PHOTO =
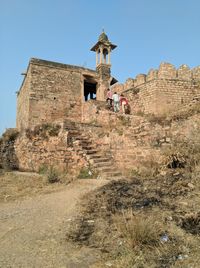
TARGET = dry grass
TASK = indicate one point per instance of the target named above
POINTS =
(139, 230)
(142, 246)
(15, 185)
(44, 131)
(184, 153)
(127, 220)
(175, 115)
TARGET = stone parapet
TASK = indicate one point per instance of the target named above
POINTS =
(152, 74)
(167, 70)
(140, 79)
(163, 90)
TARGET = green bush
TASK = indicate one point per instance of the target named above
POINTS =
(43, 169)
(87, 173)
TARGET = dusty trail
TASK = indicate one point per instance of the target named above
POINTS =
(32, 231)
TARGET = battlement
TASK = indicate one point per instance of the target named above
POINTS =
(165, 71)
(163, 89)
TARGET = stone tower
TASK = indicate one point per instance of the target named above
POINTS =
(103, 50)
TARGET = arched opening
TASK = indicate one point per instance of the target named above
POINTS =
(90, 88)
(105, 53)
(99, 56)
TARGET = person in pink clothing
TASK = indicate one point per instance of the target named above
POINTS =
(123, 103)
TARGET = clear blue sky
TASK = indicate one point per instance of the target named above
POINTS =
(147, 33)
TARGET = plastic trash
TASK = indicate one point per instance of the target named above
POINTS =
(109, 264)
(164, 238)
(182, 257)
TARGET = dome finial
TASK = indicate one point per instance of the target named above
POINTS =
(103, 37)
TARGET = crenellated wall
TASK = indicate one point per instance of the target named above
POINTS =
(162, 90)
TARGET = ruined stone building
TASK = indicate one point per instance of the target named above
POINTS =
(53, 92)
(62, 118)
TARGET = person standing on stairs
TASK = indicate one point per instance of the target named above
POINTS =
(123, 103)
(109, 98)
(115, 98)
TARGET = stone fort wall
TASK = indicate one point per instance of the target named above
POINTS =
(162, 90)
(51, 92)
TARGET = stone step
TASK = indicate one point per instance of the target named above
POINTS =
(89, 147)
(100, 158)
(86, 142)
(102, 164)
(70, 127)
(106, 169)
(91, 151)
(82, 139)
(74, 132)
(110, 175)
(117, 177)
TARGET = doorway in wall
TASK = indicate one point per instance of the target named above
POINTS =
(90, 90)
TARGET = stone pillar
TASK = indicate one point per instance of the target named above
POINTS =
(104, 56)
(101, 55)
(109, 55)
(104, 81)
(97, 52)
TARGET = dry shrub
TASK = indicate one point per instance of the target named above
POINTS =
(158, 119)
(53, 175)
(139, 230)
(185, 112)
(8, 158)
(196, 174)
(149, 169)
(142, 245)
(175, 115)
(184, 153)
(175, 160)
(10, 135)
(44, 131)
(191, 223)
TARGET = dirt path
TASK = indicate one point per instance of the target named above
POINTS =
(32, 231)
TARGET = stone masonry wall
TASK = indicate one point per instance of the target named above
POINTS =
(136, 141)
(34, 150)
(132, 141)
(23, 105)
(55, 94)
(51, 92)
(162, 90)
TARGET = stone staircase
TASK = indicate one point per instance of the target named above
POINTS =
(101, 161)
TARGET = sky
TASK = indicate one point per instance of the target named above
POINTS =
(146, 32)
